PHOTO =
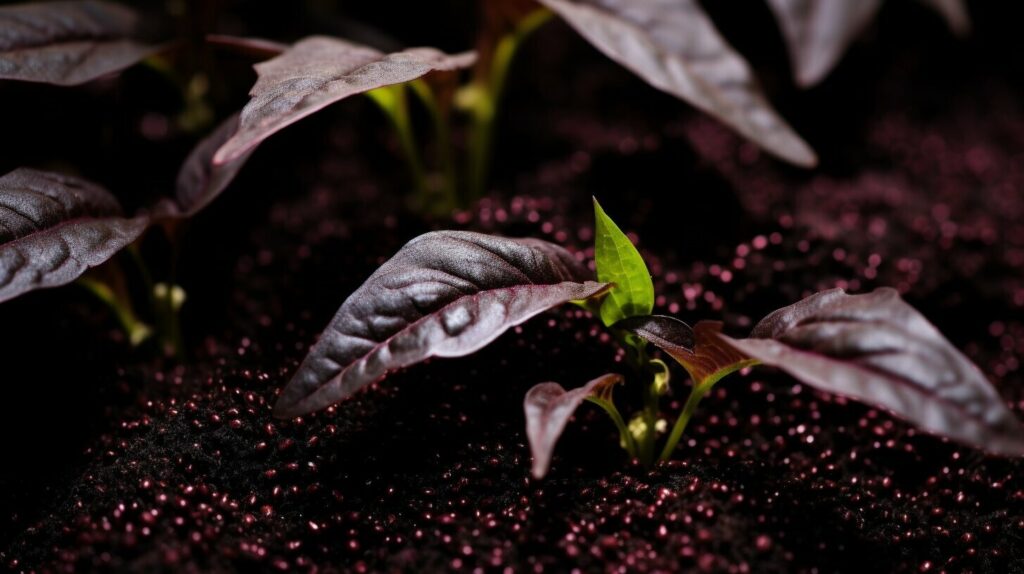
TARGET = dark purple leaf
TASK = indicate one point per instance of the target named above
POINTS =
(667, 333)
(67, 43)
(954, 12)
(548, 408)
(702, 351)
(445, 294)
(818, 32)
(200, 181)
(255, 47)
(54, 227)
(319, 71)
(674, 46)
(877, 349)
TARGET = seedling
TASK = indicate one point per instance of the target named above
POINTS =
(54, 228)
(450, 293)
(672, 45)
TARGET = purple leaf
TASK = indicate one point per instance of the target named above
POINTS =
(818, 32)
(701, 350)
(445, 294)
(877, 349)
(256, 47)
(667, 333)
(67, 43)
(549, 407)
(954, 12)
(54, 227)
(317, 72)
(674, 46)
(200, 181)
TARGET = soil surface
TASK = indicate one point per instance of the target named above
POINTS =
(114, 460)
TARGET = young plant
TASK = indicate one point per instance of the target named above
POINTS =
(449, 293)
(56, 227)
(671, 44)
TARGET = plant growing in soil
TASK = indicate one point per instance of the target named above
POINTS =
(670, 44)
(55, 227)
(449, 293)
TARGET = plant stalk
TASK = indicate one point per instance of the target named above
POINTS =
(443, 133)
(136, 330)
(169, 297)
(487, 95)
(696, 394)
(624, 435)
(393, 102)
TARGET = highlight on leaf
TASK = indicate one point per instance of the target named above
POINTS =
(53, 228)
(548, 408)
(445, 294)
(200, 180)
(317, 72)
(818, 32)
(620, 264)
(877, 349)
(68, 43)
(712, 358)
(666, 333)
(674, 46)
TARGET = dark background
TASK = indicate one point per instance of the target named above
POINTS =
(66, 379)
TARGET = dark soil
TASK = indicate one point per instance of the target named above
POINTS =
(117, 461)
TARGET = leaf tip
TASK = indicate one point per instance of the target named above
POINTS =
(284, 409)
(806, 158)
(225, 153)
(291, 404)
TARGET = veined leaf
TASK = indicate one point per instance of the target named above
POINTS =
(54, 227)
(877, 349)
(619, 263)
(674, 46)
(701, 351)
(548, 408)
(818, 32)
(317, 72)
(445, 294)
(67, 43)
(666, 333)
(200, 180)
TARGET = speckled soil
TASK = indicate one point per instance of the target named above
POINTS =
(115, 461)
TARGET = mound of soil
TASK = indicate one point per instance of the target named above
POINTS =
(117, 461)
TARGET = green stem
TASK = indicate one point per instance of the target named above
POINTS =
(624, 434)
(638, 358)
(443, 132)
(393, 102)
(650, 415)
(168, 298)
(487, 98)
(143, 269)
(134, 328)
(696, 394)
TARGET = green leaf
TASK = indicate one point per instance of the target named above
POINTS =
(620, 263)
